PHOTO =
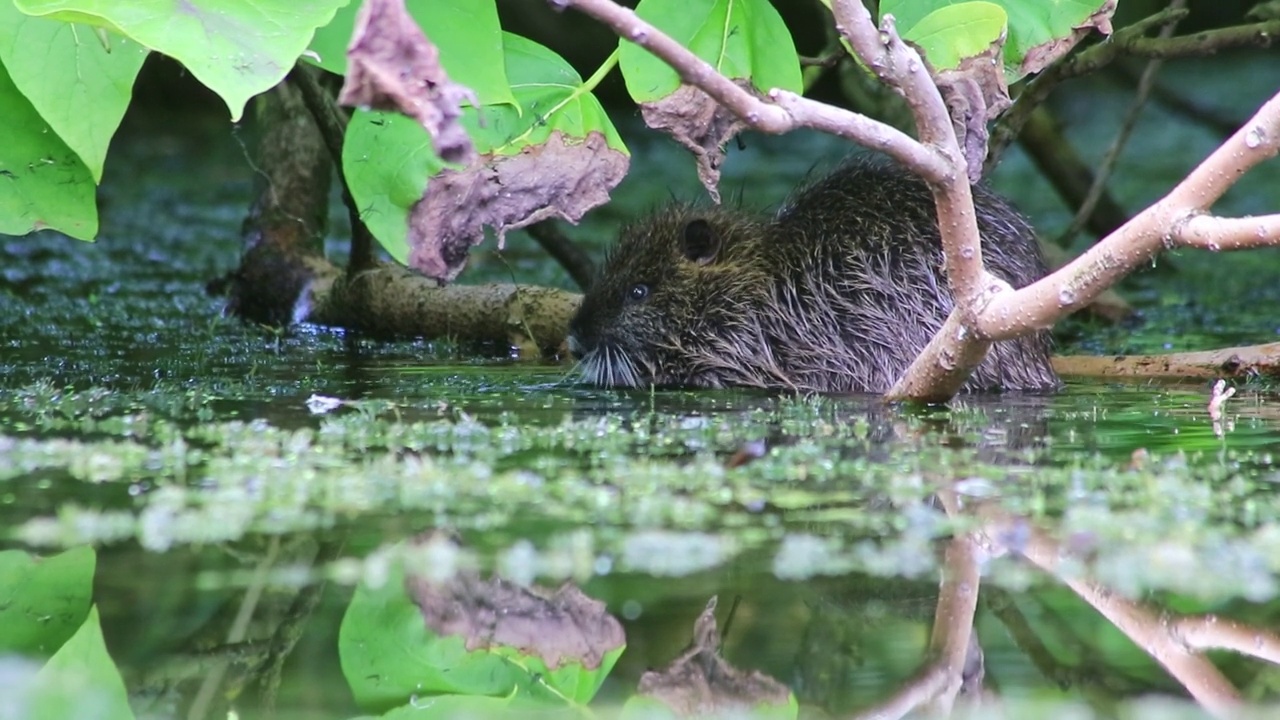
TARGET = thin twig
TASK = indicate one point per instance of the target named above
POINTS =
(1216, 121)
(332, 122)
(572, 258)
(826, 60)
(1056, 159)
(239, 629)
(786, 112)
(1107, 165)
(1130, 41)
(289, 632)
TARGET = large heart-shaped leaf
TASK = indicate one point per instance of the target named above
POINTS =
(79, 82)
(238, 48)
(43, 183)
(742, 39)
(470, 637)
(955, 32)
(43, 601)
(1038, 29)
(79, 681)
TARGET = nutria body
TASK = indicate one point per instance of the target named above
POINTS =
(837, 292)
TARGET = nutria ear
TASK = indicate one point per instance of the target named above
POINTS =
(700, 242)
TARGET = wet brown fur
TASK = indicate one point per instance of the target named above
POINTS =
(837, 292)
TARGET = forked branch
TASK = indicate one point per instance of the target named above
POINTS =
(1180, 219)
(986, 308)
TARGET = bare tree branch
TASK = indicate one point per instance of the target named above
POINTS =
(938, 683)
(572, 258)
(1218, 233)
(787, 112)
(900, 67)
(986, 308)
(1178, 219)
(1210, 632)
(953, 620)
(1173, 642)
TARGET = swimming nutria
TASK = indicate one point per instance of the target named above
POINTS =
(837, 292)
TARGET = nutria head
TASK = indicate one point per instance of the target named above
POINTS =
(675, 289)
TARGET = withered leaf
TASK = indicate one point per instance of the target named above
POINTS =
(976, 93)
(699, 123)
(557, 626)
(1037, 58)
(564, 177)
(391, 65)
(700, 682)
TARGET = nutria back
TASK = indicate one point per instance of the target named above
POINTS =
(837, 292)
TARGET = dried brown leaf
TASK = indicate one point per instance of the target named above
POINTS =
(975, 93)
(1039, 57)
(564, 177)
(557, 626)
(391, 65)
(699, 123)
(701, 683)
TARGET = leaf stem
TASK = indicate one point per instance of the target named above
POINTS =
(605, 67)
(583, 89)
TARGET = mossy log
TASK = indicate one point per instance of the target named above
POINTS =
(284, 277)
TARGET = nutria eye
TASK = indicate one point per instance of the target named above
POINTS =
(638, 292)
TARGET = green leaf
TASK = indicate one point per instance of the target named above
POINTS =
(43, 183)
(78, 84)
(390, 656)
(549, 97)
(740, 38)
(572, 681)
(460, 706)
(951, 34)
(388, 158)
(238, 48)
(43, 601)
(466, 32)
(79, 681)
(1032, 23)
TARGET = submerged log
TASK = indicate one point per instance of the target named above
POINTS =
(1245, 361)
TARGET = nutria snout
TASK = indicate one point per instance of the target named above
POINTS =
(837, 292)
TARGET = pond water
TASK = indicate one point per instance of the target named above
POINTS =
(240, 550)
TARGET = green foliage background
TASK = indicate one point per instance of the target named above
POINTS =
(67, 69)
